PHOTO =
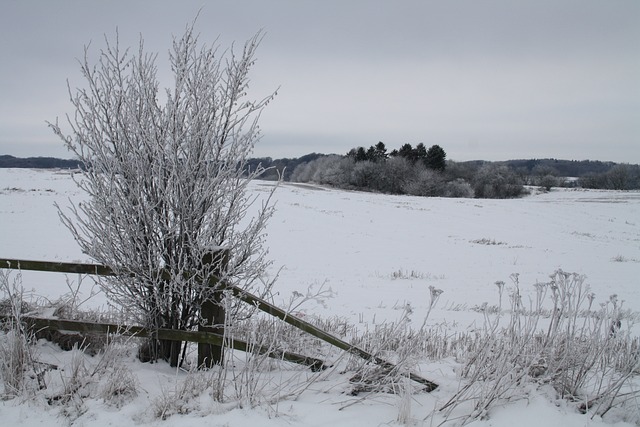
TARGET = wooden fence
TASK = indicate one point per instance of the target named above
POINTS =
(38, 324)
(200, 337)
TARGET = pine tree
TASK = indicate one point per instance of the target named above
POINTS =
(436, 158)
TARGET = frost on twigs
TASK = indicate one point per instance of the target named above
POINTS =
(167, 183)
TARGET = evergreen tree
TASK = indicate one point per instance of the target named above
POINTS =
(381, 151)
(420, 152)
(407, 152)
(361, 155)
(371, 154)
(436, 158)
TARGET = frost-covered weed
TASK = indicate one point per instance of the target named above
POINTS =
(561, 339)
(120, 386)
(254, 377)
(183, 398)
(75, 377)
(584, 351)
(17, 358)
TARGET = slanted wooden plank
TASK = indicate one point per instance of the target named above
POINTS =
(319, 333)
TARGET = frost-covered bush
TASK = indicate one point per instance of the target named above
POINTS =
(167, 183)
(427, 183)
(399, 171)
(366, 175)
(332, 170)
(458, 188)
(497, 182)
(548, 181)
(401, 174)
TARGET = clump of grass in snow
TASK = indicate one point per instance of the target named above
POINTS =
(404, 274)
(17, 360)
(120, 386)
(75, 379)
(183, 398)
(622, 258)
(488, 242)
(413, 275)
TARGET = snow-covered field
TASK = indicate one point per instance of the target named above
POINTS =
(378, 255)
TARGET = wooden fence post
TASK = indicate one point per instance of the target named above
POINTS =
(212, 311)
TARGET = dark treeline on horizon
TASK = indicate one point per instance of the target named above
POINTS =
(563, 168)
(7, 161)
(410, 170)
(542, 172)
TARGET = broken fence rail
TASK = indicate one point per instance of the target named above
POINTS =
(39, 323)
(261, 304)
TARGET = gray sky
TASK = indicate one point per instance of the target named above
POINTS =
(484, 79)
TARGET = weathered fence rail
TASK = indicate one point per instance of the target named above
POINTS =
(39, 323)
(261, 304)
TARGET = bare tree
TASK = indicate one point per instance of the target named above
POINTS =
(168, 183)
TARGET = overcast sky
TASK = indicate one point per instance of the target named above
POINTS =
(491, 80)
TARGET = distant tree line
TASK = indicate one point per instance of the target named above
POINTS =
(587, 174)
(7, 161)
(618, 177)
(281, 167)
(565, 168)
(419, 171)
(426, 172)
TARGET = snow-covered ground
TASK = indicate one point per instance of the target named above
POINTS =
(378, 254)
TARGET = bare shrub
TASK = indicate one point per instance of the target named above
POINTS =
(168, 183)
(428, 182)
(547, 182)
(365, 175)
(495, 181)
(459, 188)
